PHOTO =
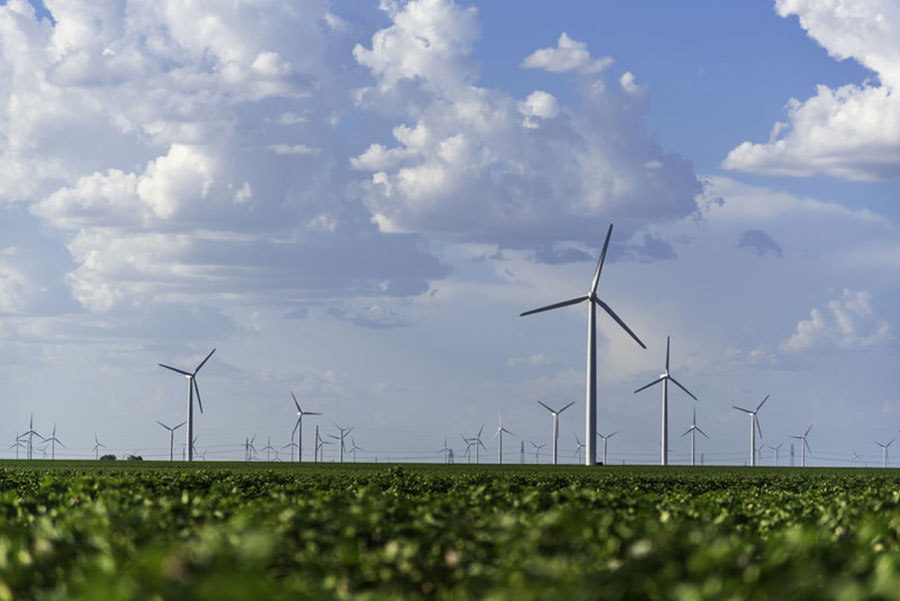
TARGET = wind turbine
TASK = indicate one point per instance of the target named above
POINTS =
(31, 434)
(804, 446)
(555, 413)
(269, 448)
(291, 445)
(537, 449)
(446, 450)
(18, 445)
(499, 433)
(249, 449)
(664, 378)
(192, 387)
(606, 438)
(354, 448)
(578, 448)
(469, 442)
(478, 443)
(754, 426)
(53, 440)
(884, 451)
(693, 432)
(591, 381)
(344, 432)
(171, 437)
(298, 429)
(97, 447)
(775, 453)
(853, 459)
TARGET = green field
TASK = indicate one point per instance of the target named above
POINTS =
(86, 530)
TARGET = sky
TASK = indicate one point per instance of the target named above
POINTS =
(354, 201)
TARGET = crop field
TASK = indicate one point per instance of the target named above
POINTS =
(76, 530)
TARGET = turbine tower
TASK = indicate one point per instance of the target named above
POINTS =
(555, 413)
(884, 451)
(171, 437)
(192, 387)
(693, 432)
(804, 446)
(591, 381)
(499, 434)
(754, 426)
(605, 439)
(775, 453)
(664, 378)
(298, 428)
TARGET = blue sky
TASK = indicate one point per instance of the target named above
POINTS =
(355, 202)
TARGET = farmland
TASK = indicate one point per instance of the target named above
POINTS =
(76, 530)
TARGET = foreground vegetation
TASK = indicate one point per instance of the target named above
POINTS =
(153, 531)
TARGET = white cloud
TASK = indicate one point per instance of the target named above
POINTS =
(296, 149)
(466, 166)
(851, 132)
(568, 55)
(846, 323)
(535, 360)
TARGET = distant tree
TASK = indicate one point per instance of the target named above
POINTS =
(134, 458)
(109, 457)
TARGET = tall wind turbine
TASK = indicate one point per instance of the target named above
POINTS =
(298, 428)
(664, 378)
(884, 451)
(605, 439)
(478, 444)
(591, 382)
(555, 413)
(249, 449)
(775, 453)
(579, 446)
(97, 447)
(469, 443)
(354, 448)
(18, 444)
(693, 432)
(53, 440)
(192, 387)
(344, 432)
(804, 446)
(447, 451)
(31, 434)
(754, 426)
(269, 448)
(171, 437)
(499, 433)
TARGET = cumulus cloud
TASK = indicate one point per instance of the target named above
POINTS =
(477, 165)
(851, 132)
(846, 323)
(759, 242)
(535, 360)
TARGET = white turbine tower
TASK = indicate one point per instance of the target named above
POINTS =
(591, 382)
(804, 446)
(499, 434)
(171, 437)
(693, 432)
(754, 426)
(192, 387)
(298, 428)
(664, 378)
(884, 451)
(555, 413)
(605, 439)
(775, 453)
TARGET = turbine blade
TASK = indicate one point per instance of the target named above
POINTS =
(890, 443)
(573, 301)
(667, 353)
(807, 445)
(742, 409)
(758, 407)
(480, 430)
(620, 322)
(645, 387)
(758, 427)
(687, 432)
(546, 407)
(294, 431)
(601, 261)
(311, 413)
(162, 424)
(197, 390)
(202, 363)
(181, 371)
(299, 410)
(677, 383)
(613, 434)
(704, 433)
(566, 407)
(179, 425)
(807, 431)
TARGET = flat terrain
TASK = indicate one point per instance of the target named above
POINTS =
(145, 530)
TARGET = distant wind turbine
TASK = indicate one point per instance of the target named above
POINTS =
(249, 449)
(664, 378)
(31, 434)
(478, 444)
(192, 387)
(754, 427)
(578, 448)
(591, 380)
(354, 448)
(884, 451)
(18, 444)
(97, 447)
(605, 439)
(171, 437)
(804, 446)
(344, 432)
(298, 428)
(53, 440)
(446, 451)
(693, 432)
(537, 449)
(555, 413)
(775, 453)
(269, 448)
(499, 434)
